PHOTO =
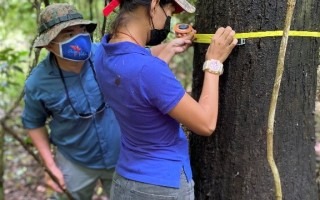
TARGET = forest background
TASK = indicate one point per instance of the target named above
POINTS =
(22, 175)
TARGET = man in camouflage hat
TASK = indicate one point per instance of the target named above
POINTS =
(63, 90)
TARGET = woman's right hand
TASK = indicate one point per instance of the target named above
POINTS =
(221, 44)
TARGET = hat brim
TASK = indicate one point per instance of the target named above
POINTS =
(46, 37)
(184, 5)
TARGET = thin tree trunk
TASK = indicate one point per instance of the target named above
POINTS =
(104, 23)
(274, 99)
(232, 164)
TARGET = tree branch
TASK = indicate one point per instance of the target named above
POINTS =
(104, 23)
(20, 140)
(274, 99)
(30, 151)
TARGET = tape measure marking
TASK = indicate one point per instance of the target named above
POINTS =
(206, 38)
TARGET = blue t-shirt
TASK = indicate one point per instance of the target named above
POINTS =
(154, 148)
(92, 142)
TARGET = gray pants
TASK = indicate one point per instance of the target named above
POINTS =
(81, 181)
(125, 189)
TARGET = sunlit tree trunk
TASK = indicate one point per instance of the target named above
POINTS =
(232, 164)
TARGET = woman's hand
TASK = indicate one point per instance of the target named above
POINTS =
(181, 44)
(221, 44)
(176, 46)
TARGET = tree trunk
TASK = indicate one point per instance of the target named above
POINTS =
(232, 164)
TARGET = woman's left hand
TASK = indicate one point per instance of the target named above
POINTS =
(176, 46)
(182, 42)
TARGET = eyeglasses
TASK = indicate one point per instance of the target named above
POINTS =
(83, 115)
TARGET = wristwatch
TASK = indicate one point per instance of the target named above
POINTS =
(213, 66)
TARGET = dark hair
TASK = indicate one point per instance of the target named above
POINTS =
(164, 2)
(129, 6)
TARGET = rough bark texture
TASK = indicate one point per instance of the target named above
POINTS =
(232, 164)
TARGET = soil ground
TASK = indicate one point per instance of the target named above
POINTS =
(24, 177)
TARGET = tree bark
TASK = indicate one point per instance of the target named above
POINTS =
(232, 164)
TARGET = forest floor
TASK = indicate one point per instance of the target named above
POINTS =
(24, 178)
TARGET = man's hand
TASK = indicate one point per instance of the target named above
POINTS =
(59, 176)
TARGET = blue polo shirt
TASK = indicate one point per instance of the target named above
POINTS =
(154, 148)
(92, 142)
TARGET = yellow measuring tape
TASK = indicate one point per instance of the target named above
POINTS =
(206, 38)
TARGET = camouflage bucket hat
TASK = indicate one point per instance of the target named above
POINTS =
(184, 5)
(57, 17)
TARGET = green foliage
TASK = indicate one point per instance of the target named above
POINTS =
(92, 11)
(17, 18)
(12, 64)
(17, 30)
(1, 164)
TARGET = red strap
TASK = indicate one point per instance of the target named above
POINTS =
(110, 7)
(178, 8)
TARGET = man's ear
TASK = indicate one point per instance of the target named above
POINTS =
(49, 47)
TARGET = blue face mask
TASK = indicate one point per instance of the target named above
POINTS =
(77, 48)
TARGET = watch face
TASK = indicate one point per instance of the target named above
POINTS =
(213, 66)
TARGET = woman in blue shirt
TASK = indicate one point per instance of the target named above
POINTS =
(150, 103)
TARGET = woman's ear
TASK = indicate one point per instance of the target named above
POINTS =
(153, 7)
